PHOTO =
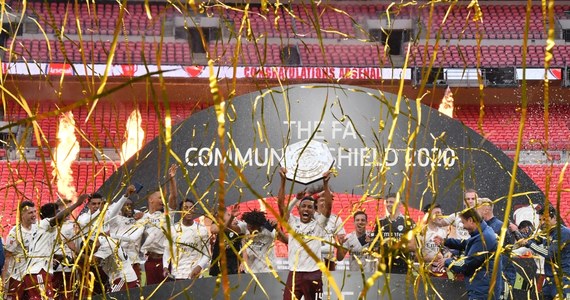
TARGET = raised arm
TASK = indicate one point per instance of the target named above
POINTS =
(116, 207)
(340, 248)
(172, 197)
(232, 223)
(281, 195)
(457, 244)
(280, 235)
(300, 195)
(327, 194)
(58, 219)
(131, 235)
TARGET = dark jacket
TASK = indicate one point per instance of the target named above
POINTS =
(477, 264)
(550, 249)
(233, 246)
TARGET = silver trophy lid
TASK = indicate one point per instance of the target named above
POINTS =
(306, 161)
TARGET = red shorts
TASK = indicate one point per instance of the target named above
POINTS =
(154, 270)
(331, 264)
(38, 286)
(15, 290)
(61, 283)
(137, 269)
(119, 285)
(308, 284)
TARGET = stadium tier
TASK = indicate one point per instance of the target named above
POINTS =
(97, 52)
(106, 127)
(347, 35)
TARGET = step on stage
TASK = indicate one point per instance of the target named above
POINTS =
(351, 284)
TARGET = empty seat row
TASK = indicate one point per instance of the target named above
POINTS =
(455, 56)
(496, 22)
(270, 54)
(98, 52)
(540, 173)
(98, 18)
(329, 21)
(371, 54)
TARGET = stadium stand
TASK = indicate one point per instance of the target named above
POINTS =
(547, 177)
(499, 123)
(140, 41)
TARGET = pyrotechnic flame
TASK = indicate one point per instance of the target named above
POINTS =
(134, 136)
(446, 106)
(66, 152)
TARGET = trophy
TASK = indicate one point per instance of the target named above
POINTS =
(306, 161)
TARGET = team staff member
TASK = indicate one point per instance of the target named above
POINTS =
(477, 264)
(392, 229)
(310, 230)
(234, 232)
(555, 248)
(155, 225)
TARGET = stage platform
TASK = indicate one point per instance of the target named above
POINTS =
(351, 285)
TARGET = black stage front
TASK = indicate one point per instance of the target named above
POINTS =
(351, 284)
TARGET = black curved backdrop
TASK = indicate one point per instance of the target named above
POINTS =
(445, 157)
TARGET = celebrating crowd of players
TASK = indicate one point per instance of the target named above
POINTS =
(105, 248)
